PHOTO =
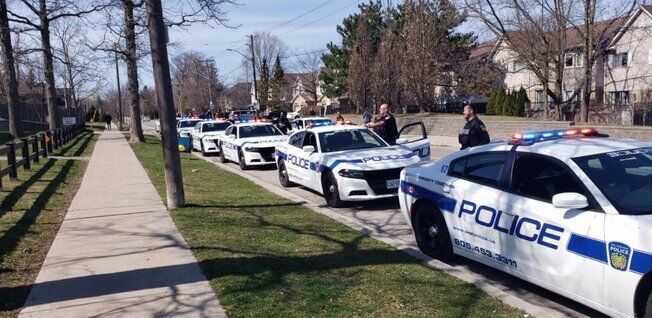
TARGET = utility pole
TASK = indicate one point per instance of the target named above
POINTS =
(253, 63)
(117, 75)
(172, 163)
(210, 90)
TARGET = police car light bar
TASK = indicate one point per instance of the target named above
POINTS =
(530, 137)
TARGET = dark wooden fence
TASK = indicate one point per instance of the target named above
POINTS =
(33, 148)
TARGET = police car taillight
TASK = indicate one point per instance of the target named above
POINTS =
(535, 136)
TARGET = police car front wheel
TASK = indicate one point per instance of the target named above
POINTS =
(648, 306)
(283, 177)
(431, 232)
(222, 157)
(331, 191)
(243, 163)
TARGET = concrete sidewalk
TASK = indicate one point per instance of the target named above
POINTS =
(118, 253)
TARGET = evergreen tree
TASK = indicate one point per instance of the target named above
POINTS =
(336, 60)
(491, 102)
(277, 83)
(521, 100)
(263, 85)
(500, 100)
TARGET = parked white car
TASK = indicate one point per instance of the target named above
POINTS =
(347, 163)
(568, 210)
(305, 122)
(205, 135)
(250, 144)
(158, 124)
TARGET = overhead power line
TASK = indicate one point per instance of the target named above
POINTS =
(302, 15)
(319, 19)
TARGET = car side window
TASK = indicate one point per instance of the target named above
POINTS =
(487, 168)
(541, 178)
(310, 140)
(294, 125)
(198, 127)
(228, 131)
(296, 140)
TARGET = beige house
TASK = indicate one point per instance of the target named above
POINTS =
(622, 78)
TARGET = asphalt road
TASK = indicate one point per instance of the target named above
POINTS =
(383, 218)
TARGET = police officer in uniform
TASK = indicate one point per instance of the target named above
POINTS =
(474, 133)
(385, 125)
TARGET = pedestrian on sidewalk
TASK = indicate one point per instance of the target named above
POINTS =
(385, 125)
(366, 117)
(475, 132)
(339, 118)
(107, 119)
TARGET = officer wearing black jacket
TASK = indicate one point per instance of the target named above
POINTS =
(385, 125)
(474, 133)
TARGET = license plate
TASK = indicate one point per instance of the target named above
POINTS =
(392, 184)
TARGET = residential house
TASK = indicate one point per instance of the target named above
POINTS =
(621, 77)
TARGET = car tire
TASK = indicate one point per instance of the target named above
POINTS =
(431, 232)
(648, 306)
(283, 176)
(242, 162)
(222, 157)
(331, 192)
(201, 147)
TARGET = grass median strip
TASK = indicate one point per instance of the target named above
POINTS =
(31, 211)
(265, 255)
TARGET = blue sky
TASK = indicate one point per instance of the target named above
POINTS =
(264, 15)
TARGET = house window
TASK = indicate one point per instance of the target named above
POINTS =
(620, 59)
(649, 57)
(569, 94)
(518, 66)
(569, 60)
(538, 96)
(620, 97)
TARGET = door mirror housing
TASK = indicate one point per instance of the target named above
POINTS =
(401, 141)
(570, 200)
(308, 149)
(231, 136)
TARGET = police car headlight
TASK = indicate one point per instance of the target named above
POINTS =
(349, 173)
(251, 149)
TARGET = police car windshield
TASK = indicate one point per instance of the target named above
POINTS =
(215, 126)
(188, 123)
(259, 131)
(341, 140)
(624, 177)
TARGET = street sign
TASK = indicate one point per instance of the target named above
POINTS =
(47, 138)
(69, 121)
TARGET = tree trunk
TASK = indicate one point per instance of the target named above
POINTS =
(48, 67)
(9, 80)
(589, 14)
(68, 78)
(136, 128)
(163, 84)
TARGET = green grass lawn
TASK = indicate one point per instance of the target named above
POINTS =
(267, 256)
(31, 211)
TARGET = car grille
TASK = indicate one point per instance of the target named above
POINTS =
(267, 153)
(377, 179)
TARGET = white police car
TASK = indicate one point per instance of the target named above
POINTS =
(250, 144)
(347, 163)
(185, 126)
(204, 135)
(303, 123)
(568, 210)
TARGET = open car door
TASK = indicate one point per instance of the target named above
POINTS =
(413, 137)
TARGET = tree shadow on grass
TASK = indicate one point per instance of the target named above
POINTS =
(10, 200)
(15, 297)
(85, 140)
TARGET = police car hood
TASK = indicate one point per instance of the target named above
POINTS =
(372, 159)
(264, 140)
(211, 134)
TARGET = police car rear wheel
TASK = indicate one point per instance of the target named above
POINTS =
(331, 192)
(283, 177)
(222, 158)
(241, 159)
(431, 232)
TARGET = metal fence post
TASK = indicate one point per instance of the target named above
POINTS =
(27, 165)
(44, 144)
(50, 140)
(11, 160)
(35, 149)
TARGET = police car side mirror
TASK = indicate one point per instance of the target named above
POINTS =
(309, 149)
(184, 135)
(401, 141)
(569, 200)
(230, 136)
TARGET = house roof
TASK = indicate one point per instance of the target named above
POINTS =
(646, 9)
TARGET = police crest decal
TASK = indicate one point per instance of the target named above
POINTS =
(619, 255)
